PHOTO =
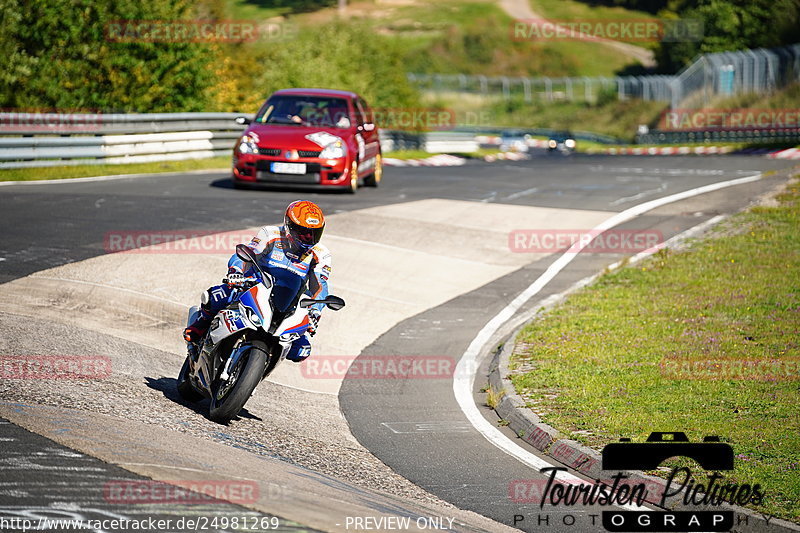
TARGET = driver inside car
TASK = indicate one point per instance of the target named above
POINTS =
(294, 257)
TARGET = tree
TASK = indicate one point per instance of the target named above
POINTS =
(60, 56)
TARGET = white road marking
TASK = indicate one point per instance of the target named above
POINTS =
(520, 194)
(648, 192)
(464, 378)
(443, 426)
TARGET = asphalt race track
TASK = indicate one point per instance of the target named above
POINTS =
(413, 426)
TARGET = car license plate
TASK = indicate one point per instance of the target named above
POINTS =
(288, 168)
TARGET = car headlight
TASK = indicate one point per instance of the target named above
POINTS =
(250, 315)
(335, 150)
(247, 145)
(569, 143)
(552, 143)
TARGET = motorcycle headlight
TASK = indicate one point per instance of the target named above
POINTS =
(247, 145)
(335, 150)
(250, 315)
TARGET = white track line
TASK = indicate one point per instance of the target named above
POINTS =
(464, 377)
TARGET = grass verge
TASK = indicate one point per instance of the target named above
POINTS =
(661, 347)
(86, 171)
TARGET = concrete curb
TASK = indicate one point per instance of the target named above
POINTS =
(548, 440)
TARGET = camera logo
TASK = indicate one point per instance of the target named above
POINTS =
(711, 454)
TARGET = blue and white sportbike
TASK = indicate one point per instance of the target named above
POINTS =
(245, 343)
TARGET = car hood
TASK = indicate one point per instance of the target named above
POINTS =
(272, 136)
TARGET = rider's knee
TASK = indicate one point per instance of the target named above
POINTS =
(299, 350)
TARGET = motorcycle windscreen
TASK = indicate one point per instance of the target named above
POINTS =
(284, 293)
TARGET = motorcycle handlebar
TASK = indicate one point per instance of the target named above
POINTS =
(250, 280)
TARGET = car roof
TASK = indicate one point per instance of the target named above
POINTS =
(318, 92)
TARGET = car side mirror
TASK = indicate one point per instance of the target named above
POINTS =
(243, 121)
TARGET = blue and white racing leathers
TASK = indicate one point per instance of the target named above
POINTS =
(290, 270)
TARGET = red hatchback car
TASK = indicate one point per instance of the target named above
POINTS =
(309, 137)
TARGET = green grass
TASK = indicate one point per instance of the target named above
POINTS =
(616, 118)
(84, 171)
(453, 36)
(573, 10)
(594, 366)
(249, 10)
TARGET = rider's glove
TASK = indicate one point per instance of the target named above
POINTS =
(235, 279)
(313, 318)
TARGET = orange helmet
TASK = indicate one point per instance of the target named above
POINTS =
(304, 223)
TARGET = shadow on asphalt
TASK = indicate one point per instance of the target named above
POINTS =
(169, 387)
(227, 183)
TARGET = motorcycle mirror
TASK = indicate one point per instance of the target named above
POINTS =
(334, 303)
(244, 253)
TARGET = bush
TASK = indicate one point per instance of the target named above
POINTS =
(58, 57)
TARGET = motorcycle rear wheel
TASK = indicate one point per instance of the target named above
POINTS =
(228, 398)
(185, 388)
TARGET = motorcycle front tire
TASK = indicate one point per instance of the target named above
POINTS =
(252, 366)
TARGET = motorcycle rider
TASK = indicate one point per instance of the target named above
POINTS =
(294, 257)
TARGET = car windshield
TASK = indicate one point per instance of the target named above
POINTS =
(299, 110)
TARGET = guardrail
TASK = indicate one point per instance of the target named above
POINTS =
(750, 136)
(54, 139)
(57, 139)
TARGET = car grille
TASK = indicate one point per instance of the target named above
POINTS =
(278, 151)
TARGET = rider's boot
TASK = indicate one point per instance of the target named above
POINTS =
(198, 328)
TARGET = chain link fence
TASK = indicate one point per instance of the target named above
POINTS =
(587, 89)
(730, 73)
(710, 75)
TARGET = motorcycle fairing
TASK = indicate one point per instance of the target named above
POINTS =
(296, 323)
(226, 323)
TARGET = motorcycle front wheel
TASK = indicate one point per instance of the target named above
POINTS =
(229, 396)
